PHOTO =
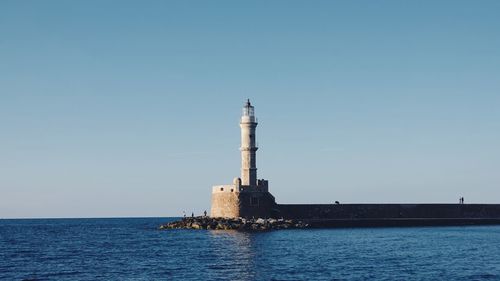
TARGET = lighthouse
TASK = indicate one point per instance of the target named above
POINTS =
(248, 148)
(247, 196)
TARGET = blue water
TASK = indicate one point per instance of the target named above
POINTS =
(133, 249)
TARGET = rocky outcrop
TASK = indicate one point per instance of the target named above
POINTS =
(234, 224)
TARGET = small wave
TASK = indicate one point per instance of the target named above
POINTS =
(485, 276)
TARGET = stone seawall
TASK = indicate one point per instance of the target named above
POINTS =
(387, 211)
(289, 216)
(394, 222)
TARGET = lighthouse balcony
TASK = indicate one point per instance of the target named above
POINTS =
(254, 148)
(249, 120)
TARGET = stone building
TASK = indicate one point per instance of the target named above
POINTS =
(247, 196)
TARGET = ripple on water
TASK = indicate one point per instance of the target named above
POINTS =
(132, 249)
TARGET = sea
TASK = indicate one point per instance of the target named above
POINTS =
(135, 249)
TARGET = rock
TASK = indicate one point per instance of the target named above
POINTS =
(241, 224)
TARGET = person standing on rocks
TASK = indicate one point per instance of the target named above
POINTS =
(205, 213)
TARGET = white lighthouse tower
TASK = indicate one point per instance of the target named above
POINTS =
(247, 196)
(248, 148)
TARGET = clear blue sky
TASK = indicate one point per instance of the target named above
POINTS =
(130, 108)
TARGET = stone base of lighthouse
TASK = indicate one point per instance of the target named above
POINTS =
(235, 200)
